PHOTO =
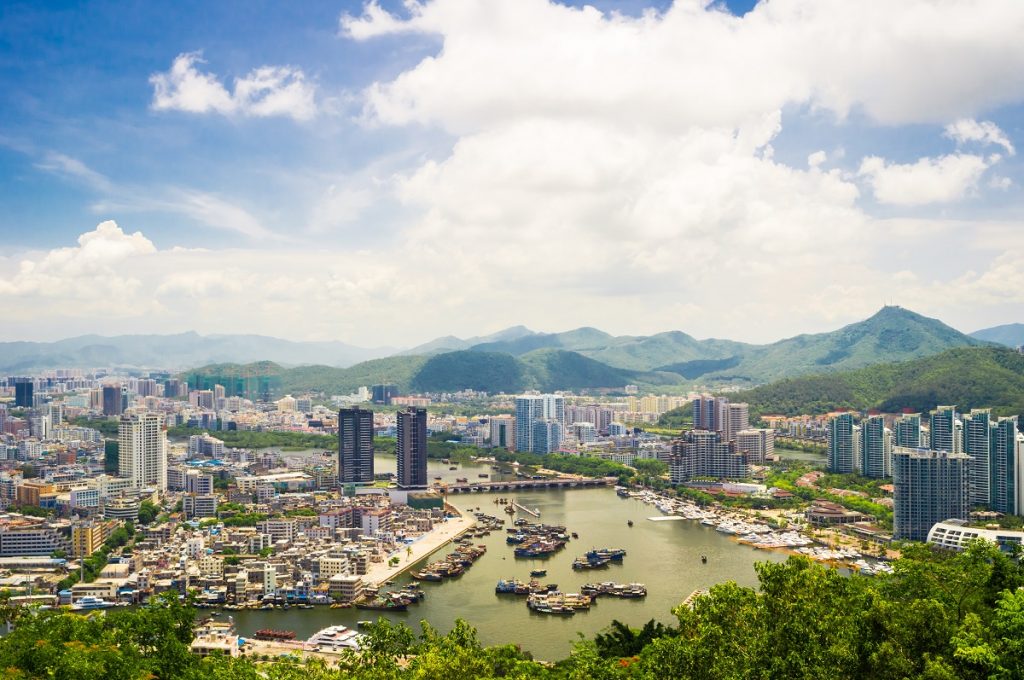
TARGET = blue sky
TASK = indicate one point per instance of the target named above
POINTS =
(460, 167)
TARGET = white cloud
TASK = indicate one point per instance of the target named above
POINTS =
(929, 180)
(74, 168)
(265, 91)
(696, 64)
(969, 130)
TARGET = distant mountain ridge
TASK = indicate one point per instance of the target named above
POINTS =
(1011, 334)
(892, 334)
(176, 351)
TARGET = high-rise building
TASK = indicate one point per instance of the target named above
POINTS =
(23, 392)
(528, 409)
(547, 436)
(411, 448)
(930, 486)
(700, 453)
(554, 408)
(1007, 467)
(503, 433)
(142, 450)
(717, 414)
(943, 430)
(113, 405)
(355, 446)
(758, 444)
(382, 394)
(977, 439)
(907, 431)
(841, 444)
(875, 448)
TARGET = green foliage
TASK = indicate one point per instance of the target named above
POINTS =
(31, 510)
(246, 439)
(111, 456)
(677, 418)
(575, 465)
(939, 615)
(482, 371)
(106, 426)
(970, 377)
(148, 510)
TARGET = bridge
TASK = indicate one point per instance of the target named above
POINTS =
(547, 483)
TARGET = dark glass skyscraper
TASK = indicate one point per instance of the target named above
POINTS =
(23, 389)
(355, 446)
(113, 404)
(411, 448)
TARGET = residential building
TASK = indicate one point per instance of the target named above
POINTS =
(700, 453)
(977, 443)
(503, 432)
(907, 431)
(23, 392)
(547, 436)
(411, 448)
(929, 486)
(355, 446)
(142, 451)
(944, 426)
(875, 448)
(1006, 465)
(528, 409)
(841, 444)
(757, 443)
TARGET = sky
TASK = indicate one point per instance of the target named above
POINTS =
(384, 173)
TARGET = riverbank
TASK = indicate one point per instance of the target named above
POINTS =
(423, 546)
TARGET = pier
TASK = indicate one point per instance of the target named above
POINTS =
(525, 509)
(553, 483)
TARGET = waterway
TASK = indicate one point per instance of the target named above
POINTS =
(666, 556)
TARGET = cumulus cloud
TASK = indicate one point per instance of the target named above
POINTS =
(986, 132)
(929, 180)
(697, 64)
(265, 91)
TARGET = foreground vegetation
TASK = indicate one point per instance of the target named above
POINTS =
(938, 616)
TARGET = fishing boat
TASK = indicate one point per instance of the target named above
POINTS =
(269, 634)
(629, 522)
(539, 572)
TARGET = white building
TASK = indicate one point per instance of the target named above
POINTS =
(142, 454)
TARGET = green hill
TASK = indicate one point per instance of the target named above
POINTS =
(1011, 334)
(553, 369)
(483, 371)
(969, 377)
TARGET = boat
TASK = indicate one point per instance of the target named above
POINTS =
(629, 522)
(585, 563)
(461, 480)
(613, 554)
(382, 605)
(270, 634)
(575, 535)
(453, 467)
(539, 572)
(438, 478)
(364, 624)
(483, 474)
(338, 637)
(88, 602)
(704, 559)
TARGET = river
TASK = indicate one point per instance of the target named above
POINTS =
(666, 556)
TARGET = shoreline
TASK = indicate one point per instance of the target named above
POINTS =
(428, 543)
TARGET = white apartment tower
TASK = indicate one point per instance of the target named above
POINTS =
(142, 454)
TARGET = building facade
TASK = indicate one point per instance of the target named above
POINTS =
(411, 448)
(355, 446)
(929, 486)
(142, 450)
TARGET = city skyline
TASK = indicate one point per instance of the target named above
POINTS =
(176, 170)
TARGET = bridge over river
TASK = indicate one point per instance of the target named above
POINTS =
(546, 483)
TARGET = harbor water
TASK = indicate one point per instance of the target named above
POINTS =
(664, 555)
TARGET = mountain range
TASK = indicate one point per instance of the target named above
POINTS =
(173, 352)
(587, 358)
(519, 358)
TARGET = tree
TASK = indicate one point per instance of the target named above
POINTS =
(148, 511)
